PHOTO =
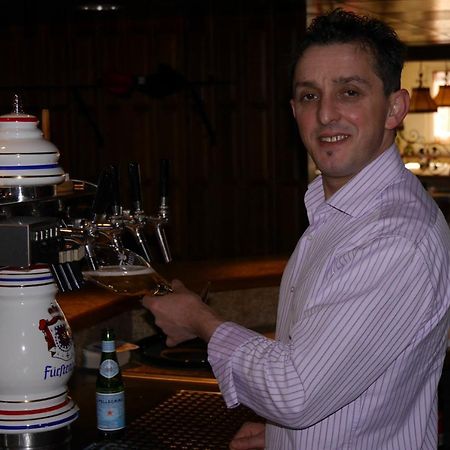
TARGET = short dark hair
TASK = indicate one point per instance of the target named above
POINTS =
(375, 36)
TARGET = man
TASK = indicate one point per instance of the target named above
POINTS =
(364, 300)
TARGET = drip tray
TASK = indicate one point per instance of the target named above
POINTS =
(188, 355)
(194, 420)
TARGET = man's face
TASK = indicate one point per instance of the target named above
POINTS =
(341, 111)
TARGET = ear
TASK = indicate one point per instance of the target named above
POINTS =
(292, 107)
(398, 108)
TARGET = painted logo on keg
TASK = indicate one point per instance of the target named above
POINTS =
(57, 334)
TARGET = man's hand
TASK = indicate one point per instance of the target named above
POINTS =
(251, 436)
(182, 315)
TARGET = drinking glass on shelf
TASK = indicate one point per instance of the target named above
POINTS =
(126, 273)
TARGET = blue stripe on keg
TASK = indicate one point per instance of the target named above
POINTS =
(28, 279)
(34, 167)
(29, 153)
(40, 425)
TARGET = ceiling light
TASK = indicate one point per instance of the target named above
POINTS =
(443, 96)
(99, 7)
(421, 100)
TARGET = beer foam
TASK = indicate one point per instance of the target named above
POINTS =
(119, 271)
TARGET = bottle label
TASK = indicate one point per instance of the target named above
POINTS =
(110, 411)
(109, 368)
(108, 346)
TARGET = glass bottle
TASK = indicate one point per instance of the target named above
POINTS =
(110, 394)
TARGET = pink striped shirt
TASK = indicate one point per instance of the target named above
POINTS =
(362, 322)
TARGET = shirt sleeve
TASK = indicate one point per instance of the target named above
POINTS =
(375, 303)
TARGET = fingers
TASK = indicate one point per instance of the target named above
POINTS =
(182, 315)
(148, 302)
(251, 436)
(177, 285)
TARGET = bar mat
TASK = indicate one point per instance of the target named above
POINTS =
(189, 420)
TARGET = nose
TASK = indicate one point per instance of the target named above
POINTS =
(328, 110)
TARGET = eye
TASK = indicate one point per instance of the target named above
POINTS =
(306, 97)
(351, 93)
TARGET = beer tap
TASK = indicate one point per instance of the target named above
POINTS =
(105, 220)
(109, 221)
(138, 219)
(116, 220)
(163, 213)
(90, 230)
(137, 216)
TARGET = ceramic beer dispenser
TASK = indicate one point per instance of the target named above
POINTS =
(41, 249)
(36, 347)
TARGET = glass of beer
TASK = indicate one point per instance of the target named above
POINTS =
(126, 273)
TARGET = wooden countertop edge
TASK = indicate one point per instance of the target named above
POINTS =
(91, 304)
(227, 275)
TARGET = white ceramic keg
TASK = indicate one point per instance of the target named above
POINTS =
(37, 354)
(26, 158)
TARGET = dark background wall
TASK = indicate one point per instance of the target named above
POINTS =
(216, 104)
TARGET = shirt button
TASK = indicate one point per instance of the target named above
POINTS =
(292, 289)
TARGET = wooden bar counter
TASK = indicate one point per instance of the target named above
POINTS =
(153, 392)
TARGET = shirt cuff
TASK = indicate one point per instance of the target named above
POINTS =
(226, 339)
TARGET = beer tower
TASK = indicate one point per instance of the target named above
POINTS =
(41, 250)
(36, 344)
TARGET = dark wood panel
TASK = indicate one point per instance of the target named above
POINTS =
(236, 191)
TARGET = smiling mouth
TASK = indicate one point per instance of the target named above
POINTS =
(336, 138)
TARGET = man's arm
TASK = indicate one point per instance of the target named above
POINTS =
(349, 334)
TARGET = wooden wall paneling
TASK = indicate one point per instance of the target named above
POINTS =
(57, 96)
(19, 69)
(166, 139)
(145, 135)
(138, 124)
(289, 211)
(255, 221)
(290, 166)
(228, 95)
(227, 162)
(257, 120)
(226, 224)
(114, 55)
(257, 150)
(10, 38)
(238, 197)
(210, 154)
(84, 156)
(226, 68)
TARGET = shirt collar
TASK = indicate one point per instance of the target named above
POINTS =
(356, 196)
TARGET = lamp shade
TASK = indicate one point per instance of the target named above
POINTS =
(443, 96)
(421, 101)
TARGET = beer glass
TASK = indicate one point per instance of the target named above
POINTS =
(125, 272)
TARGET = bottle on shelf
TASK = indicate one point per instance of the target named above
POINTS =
(110, 393)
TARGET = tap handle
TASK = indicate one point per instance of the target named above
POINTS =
(134, 175)
(115, 179)
(164, 187)
(164, 178)
(102, 199)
